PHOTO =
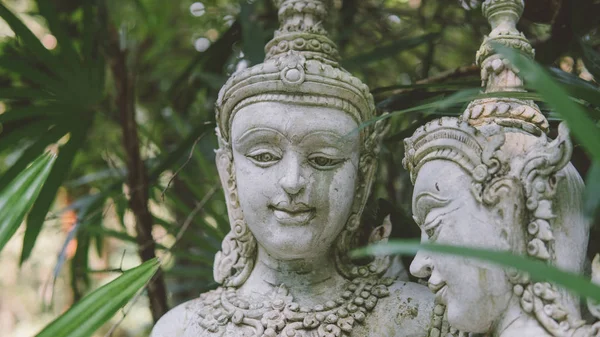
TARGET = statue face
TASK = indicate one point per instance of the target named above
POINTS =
(476, 294)
(296, 171)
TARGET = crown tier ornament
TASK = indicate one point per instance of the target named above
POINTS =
(498, 75)
(301, 66)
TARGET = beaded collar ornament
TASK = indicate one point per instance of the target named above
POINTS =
(280, 316)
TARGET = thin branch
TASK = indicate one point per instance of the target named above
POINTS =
(193, 213)
(137, 176)
(188, 221)
(162, 195)
(463, 71)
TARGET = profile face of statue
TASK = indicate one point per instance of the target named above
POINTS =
(296, 170)
(475, 293)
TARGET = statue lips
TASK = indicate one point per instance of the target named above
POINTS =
(293, 214)
(439, 289)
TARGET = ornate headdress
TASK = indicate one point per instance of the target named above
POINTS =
(301, 67)
(502, 140)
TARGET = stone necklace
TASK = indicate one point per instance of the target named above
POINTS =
(280, 316)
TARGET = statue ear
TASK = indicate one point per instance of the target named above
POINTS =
(382, 232)
(543, 161)
(224, 161)
(224, 166)
(504, 197)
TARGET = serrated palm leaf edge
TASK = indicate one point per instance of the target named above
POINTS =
(96, 308)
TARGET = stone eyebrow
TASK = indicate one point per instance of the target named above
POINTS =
(262, 131)
(330, 137)
(427, 200)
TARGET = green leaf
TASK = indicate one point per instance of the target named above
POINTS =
(592, 190)
(537, 269)
(199, 220)
(80, 280)
(95, 309)
(120, 208)
(591, 59)
(462, 96)
(47, 138)
(30, 41)
(18, 196)
(180, 151)
(37, 216)
(582, 127)
(11, 139)
(32, 111)
(577, 87)
(20, 66)
(252, 35)
(389, 50)
(64, 42)
(19, 93)
(451, 85)
(96, 177)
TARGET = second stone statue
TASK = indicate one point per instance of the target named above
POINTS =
(296, 175)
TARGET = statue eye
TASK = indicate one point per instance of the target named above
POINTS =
(430, 232)
(431, 228)
(324, 162)
(263, 158)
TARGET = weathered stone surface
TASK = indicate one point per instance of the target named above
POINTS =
(297, 174)
(493, 179)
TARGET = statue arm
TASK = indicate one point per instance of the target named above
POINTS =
(176, 322)
(406, 312)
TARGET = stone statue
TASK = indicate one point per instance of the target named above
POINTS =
(297, 171)
(493, 179)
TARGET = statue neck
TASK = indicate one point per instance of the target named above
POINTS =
(516, 323)
(310, 281)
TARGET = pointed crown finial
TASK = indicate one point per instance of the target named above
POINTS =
(497, 75)
(301, 29)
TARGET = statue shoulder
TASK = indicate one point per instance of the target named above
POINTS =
(188, 318)
(406, 312)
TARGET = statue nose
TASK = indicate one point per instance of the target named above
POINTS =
(292, 180)
(421, 266)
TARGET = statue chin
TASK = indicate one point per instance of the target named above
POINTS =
(291, 246)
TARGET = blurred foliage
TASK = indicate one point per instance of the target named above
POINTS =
(60, 84)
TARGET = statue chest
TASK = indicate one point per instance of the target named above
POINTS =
(224, 313)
